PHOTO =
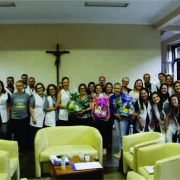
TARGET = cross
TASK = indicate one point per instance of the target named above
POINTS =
(57, 54)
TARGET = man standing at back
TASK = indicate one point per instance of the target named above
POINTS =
(148, 85)
(31, 84)
(24, 78)
(102, 82)
(10, 85)
(161, 77)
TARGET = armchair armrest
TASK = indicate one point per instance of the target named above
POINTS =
(11, 147)
(41, 141)
(167, 168)
(95, 139)
(147, 155)
(130, 141)
(5, 163)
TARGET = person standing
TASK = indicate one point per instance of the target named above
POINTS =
(148, 85)
(169, 81)
(19, 106)
(62, 100)
(84, 116)
(124, 88)
(101, 124)
(24, 78)
(161, 77)
(135, 92)
(143, 111)
(38, 104)
(102, 82)
(91, 89)
(51, 116)
(31, 86)
(173, 122)
(4, 111)
(120, 122)
(10, 89)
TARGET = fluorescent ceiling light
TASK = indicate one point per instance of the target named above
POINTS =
(106, 4)
(7, 4)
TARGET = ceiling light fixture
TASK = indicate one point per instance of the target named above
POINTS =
(106, 4)
(7, 4)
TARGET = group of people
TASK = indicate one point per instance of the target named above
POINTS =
(25, 108)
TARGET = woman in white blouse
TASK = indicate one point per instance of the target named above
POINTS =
(4, 111)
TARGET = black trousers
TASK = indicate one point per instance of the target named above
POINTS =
(18, 127)
(82, 122)
(102, 126)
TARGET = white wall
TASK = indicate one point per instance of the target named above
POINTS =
(110, 50)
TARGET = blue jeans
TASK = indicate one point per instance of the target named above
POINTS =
(120, 127)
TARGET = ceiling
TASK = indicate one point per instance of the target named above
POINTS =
(161, 14)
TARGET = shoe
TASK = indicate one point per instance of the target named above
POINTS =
(104, 152)
(118, 155)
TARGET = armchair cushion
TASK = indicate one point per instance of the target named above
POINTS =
(44, 156)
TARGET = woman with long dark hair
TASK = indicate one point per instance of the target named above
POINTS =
(163, 93)
(51, 116)
(91, 89)
(143, 111)
(160, 112)
(173, 123)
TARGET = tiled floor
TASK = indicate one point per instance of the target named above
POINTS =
(109, 162)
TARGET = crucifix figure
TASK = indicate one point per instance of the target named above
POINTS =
(57, 54)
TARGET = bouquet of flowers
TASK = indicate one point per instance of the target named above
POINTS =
(73, 106)
(100, 110)
(126, 108)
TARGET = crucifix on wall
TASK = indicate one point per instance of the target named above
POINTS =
(57, 54)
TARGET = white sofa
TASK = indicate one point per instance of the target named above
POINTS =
(57, 140)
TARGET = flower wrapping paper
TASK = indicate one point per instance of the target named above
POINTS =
(72, 105)
(126, 108)
(100, 110)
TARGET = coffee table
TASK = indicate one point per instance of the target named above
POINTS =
(69, 173)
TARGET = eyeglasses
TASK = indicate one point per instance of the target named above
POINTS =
(51, 89)
(40, 88)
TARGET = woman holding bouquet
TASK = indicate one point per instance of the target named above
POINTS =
(100, 114)
(143, 111)
(109, 92)
(120, 122)
(84, 100)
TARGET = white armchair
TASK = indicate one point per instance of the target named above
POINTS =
(134, 142)
(11, 147)
(164, 157)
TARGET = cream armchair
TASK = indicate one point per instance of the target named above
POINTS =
(134, 142)
(4, 165)
(11, 147)
(164, 157)
(57, 140)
